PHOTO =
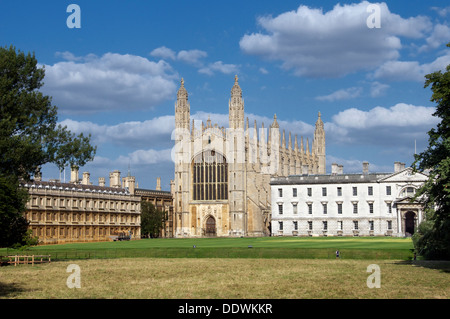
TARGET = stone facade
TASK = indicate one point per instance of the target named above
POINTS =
(80, 212)
(338, 204)
(222, 175)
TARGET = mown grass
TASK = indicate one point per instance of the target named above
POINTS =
(262, 247)
(227, 278)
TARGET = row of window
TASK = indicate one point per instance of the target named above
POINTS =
(325, 208)
(81, 217)
(72, 232)
(82, 203)
(340, 225)
(309, 191)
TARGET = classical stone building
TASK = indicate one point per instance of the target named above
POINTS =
(222, 175)
(339, 204)
(78, 211)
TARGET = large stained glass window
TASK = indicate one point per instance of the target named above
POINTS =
(210, 176)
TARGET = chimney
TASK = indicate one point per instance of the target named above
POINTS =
(365, 167)
(101, 181)
(114, 179)
(74, 174)
(85, 180)
(397, 167)
(334, 169)
(129, 182)
(340, 169)
(158, 183)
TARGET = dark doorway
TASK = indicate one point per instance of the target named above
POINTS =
(210, 227)
(409, 223)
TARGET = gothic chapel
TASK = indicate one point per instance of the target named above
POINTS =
(222, 175)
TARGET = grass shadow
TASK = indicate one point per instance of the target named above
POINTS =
(442, 265)
(10, 290)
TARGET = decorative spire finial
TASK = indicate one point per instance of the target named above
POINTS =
(275, 123)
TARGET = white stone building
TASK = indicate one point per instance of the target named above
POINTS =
(338, 204)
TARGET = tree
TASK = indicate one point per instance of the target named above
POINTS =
(432, 240)
(29, 136)
(152, 220)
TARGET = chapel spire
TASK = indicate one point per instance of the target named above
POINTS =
(319, 144)
(236, 106)
(182, 108)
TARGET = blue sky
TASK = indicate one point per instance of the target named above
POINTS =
(116, 77)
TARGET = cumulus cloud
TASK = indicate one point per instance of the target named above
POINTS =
(187, 56)
(378, 89)
(385, 127)
(441, 11)
(343, 94)
(439, 36)
(314, 43)
(164, 53)
(110, 82)
(399, 115)
(145, 157)
(196, 58)
(192, 56)
(134, 134)
(219, 66)
(410, 70)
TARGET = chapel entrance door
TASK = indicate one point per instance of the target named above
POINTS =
(210, 227)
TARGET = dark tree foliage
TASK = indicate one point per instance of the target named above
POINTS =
(12, 204)
(432, 240)
(152, 220)
(29, 137)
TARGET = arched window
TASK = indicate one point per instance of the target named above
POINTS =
(209, 176)
(408, 192)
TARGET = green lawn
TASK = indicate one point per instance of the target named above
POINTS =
(261, 247)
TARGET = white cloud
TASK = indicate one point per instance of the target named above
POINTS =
(187, 56)
(68, 56)
(191, 56)
(439, 36)
(388, 129)
(343, 94)
(378, 89)
(195, 58)
(441, 11)
(110, 82)
(410, 70)
(131, 134)
(399, 115)
(145, 157)
(317, 44)
(164, 53)
(219, 66)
